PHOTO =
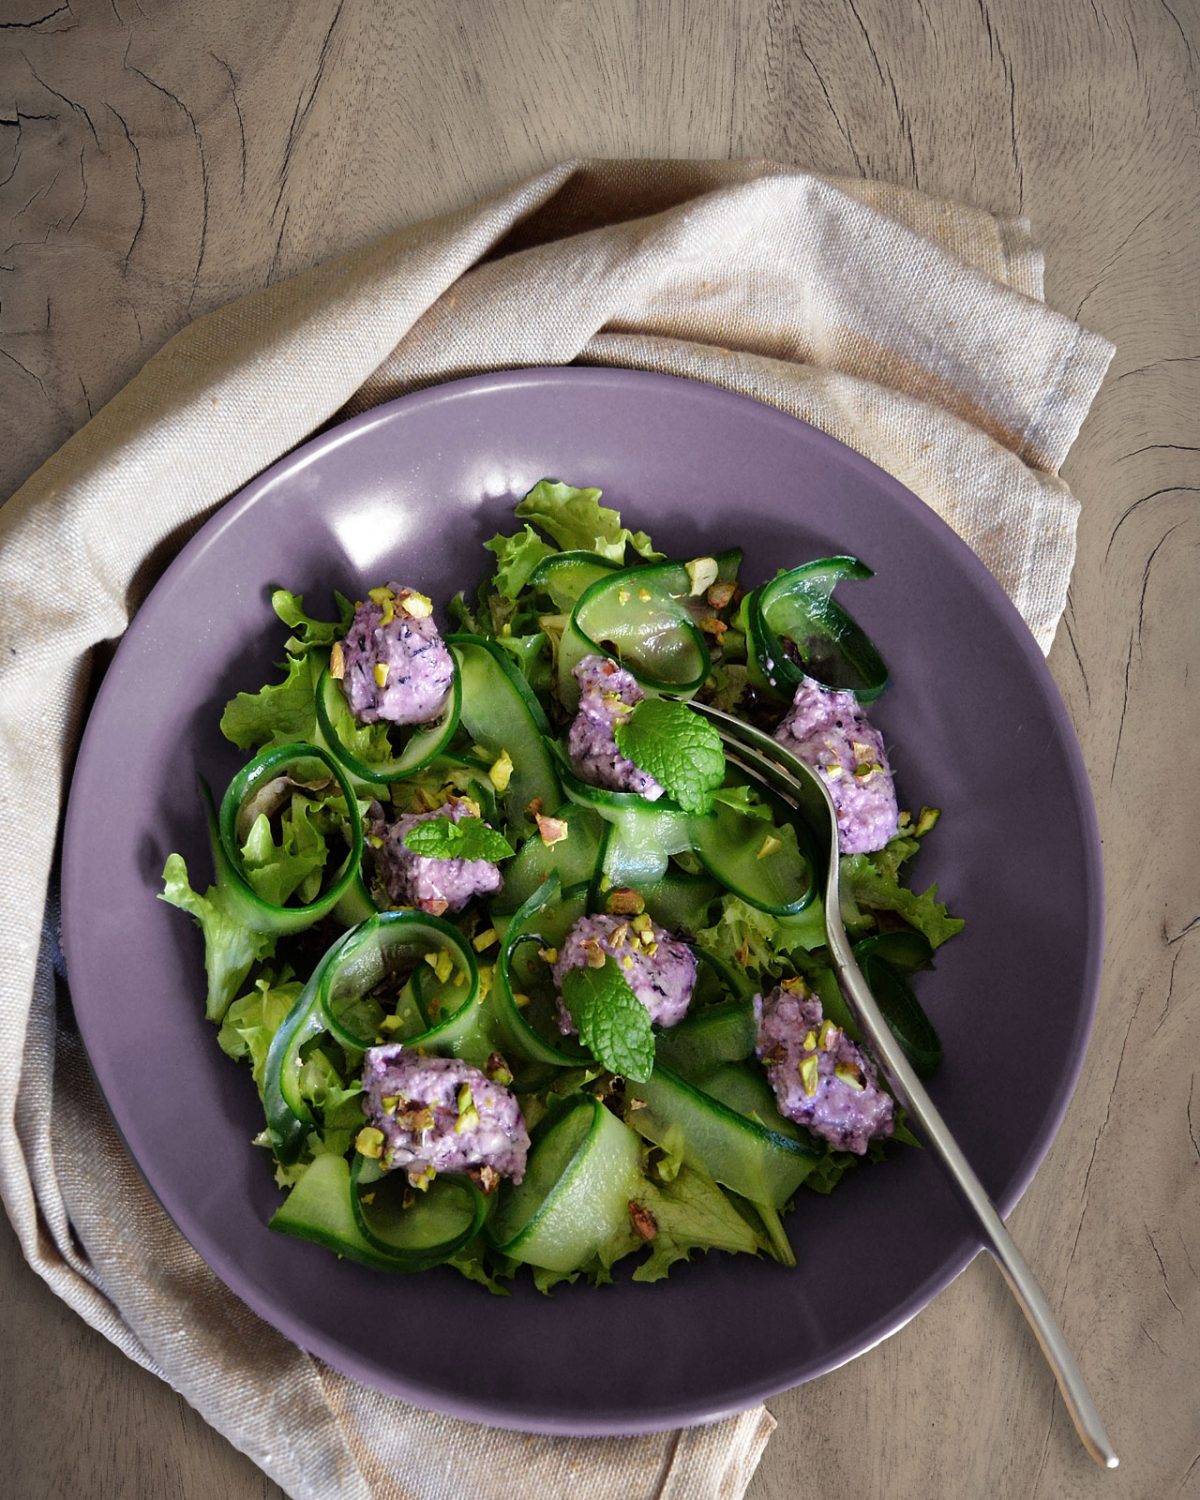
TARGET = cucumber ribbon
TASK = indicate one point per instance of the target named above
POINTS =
(795, 629)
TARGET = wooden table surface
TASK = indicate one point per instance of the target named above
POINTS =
(158, 159)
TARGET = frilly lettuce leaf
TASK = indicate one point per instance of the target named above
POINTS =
(871, 881)
(230, 948)
(312, 633)
(283, 712)
(294, 865)
(516, 558)
(577, 521)
(252, 1020)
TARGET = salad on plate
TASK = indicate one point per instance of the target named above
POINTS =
(526, 971)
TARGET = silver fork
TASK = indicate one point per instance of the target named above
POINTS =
(765, 760)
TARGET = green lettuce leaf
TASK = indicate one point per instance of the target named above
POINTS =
(516, 558)
(577, 521)
(692, 1213)
(283, 712)
(230, 948)
(867, 879)
(294, 865)
(251, 1022)
(312, 633)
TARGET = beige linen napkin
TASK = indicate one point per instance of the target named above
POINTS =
(909, 327)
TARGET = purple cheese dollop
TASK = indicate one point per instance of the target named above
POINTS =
(827, 729)
(401, 639)
(838, 1097)
(607, 693)
(660, 970)
(432, 885)
(439, 1114)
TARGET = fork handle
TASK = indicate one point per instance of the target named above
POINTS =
(1013, 1266)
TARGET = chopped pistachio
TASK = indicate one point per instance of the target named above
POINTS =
(593, 953)
(795, 986)
(809, 1074)
(651, 947)
(711, 625)
(368, 1197)
(375, 841)
(469, 806)
(623, 596)
(437, 907)
(642, 923)
(926, 819)
(464, 1098)
(498, 1070)
(827, 1037)
(482, 941)
(624, 901)
(500, 771)
(548, 955)
(862, 751)
(391, 1023)
(645, 595)
(605, 883)
(810, 1041)
(552, 830)
(645, 1225)
(865, 769)
(850, 1075)
(702, 571)
(421, 1180)
(382, 668)
(389, 1102)
(387, 603)
(619, 934)
(419, 606)
(627, 960)
(520, 1001)
(506, 629)
(337, 661)
(721, 593)
(535, 807)
(903, 819)
(369, 1142)
(770, 845)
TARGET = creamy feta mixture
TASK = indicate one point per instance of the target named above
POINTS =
(439, 1114)
(820, 1078)
(394, 665)
(828, 730)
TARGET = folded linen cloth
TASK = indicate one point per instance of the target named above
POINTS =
(910, 328)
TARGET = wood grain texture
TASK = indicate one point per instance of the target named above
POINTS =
(157, 159)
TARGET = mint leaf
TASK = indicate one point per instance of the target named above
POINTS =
(312, 633)
(579, 523)
(470, 838)
(682, 751)
(613, 1023)
(516, 558)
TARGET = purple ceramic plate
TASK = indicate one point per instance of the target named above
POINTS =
(976, 727)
